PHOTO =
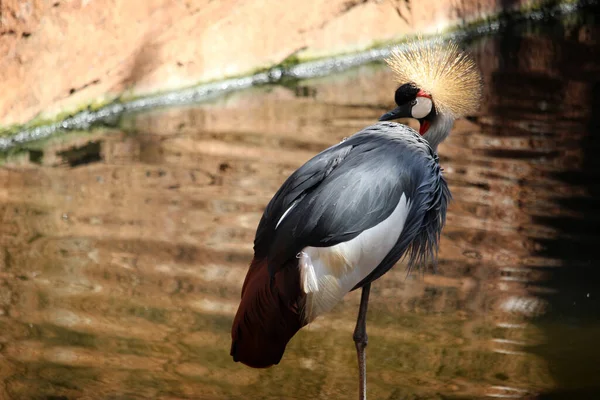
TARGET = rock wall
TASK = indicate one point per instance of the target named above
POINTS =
(64, 54)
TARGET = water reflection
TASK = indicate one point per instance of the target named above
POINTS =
(123, 251)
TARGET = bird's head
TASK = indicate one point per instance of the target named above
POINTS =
(414, 103)
(438, 83)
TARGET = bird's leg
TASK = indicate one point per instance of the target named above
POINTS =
(360, 339)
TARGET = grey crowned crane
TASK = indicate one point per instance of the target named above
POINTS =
(349, 214)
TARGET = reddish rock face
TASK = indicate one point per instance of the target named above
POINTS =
(60, 55)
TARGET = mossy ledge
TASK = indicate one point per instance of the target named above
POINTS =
(288, 72)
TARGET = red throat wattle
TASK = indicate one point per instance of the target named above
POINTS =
(425, 124)
(424, 127)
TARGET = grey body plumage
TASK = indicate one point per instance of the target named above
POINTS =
(353, 186)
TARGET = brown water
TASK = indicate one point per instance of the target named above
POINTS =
(123, 251)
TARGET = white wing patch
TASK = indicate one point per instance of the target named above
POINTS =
(328, 273)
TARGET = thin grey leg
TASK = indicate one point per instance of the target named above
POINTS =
(361, 339)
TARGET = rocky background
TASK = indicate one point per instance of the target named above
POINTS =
(58, 56)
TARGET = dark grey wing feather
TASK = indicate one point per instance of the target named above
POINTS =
(359, 194)
(338, 194)
(301, 182)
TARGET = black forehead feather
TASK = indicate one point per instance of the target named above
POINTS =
(406, 93)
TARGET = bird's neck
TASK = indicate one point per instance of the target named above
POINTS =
(438, 130)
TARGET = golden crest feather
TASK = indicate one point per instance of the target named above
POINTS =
(441, 69)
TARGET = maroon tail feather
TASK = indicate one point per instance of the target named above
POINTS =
(268, 316)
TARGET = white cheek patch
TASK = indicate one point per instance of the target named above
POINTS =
(422, 108)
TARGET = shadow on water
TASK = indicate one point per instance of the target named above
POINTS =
(573, 326)
(123, 251)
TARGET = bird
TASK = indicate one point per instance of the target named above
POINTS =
(349, 214)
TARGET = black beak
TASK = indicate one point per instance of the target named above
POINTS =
(398, 112)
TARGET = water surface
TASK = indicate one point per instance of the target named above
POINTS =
(124, 250)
